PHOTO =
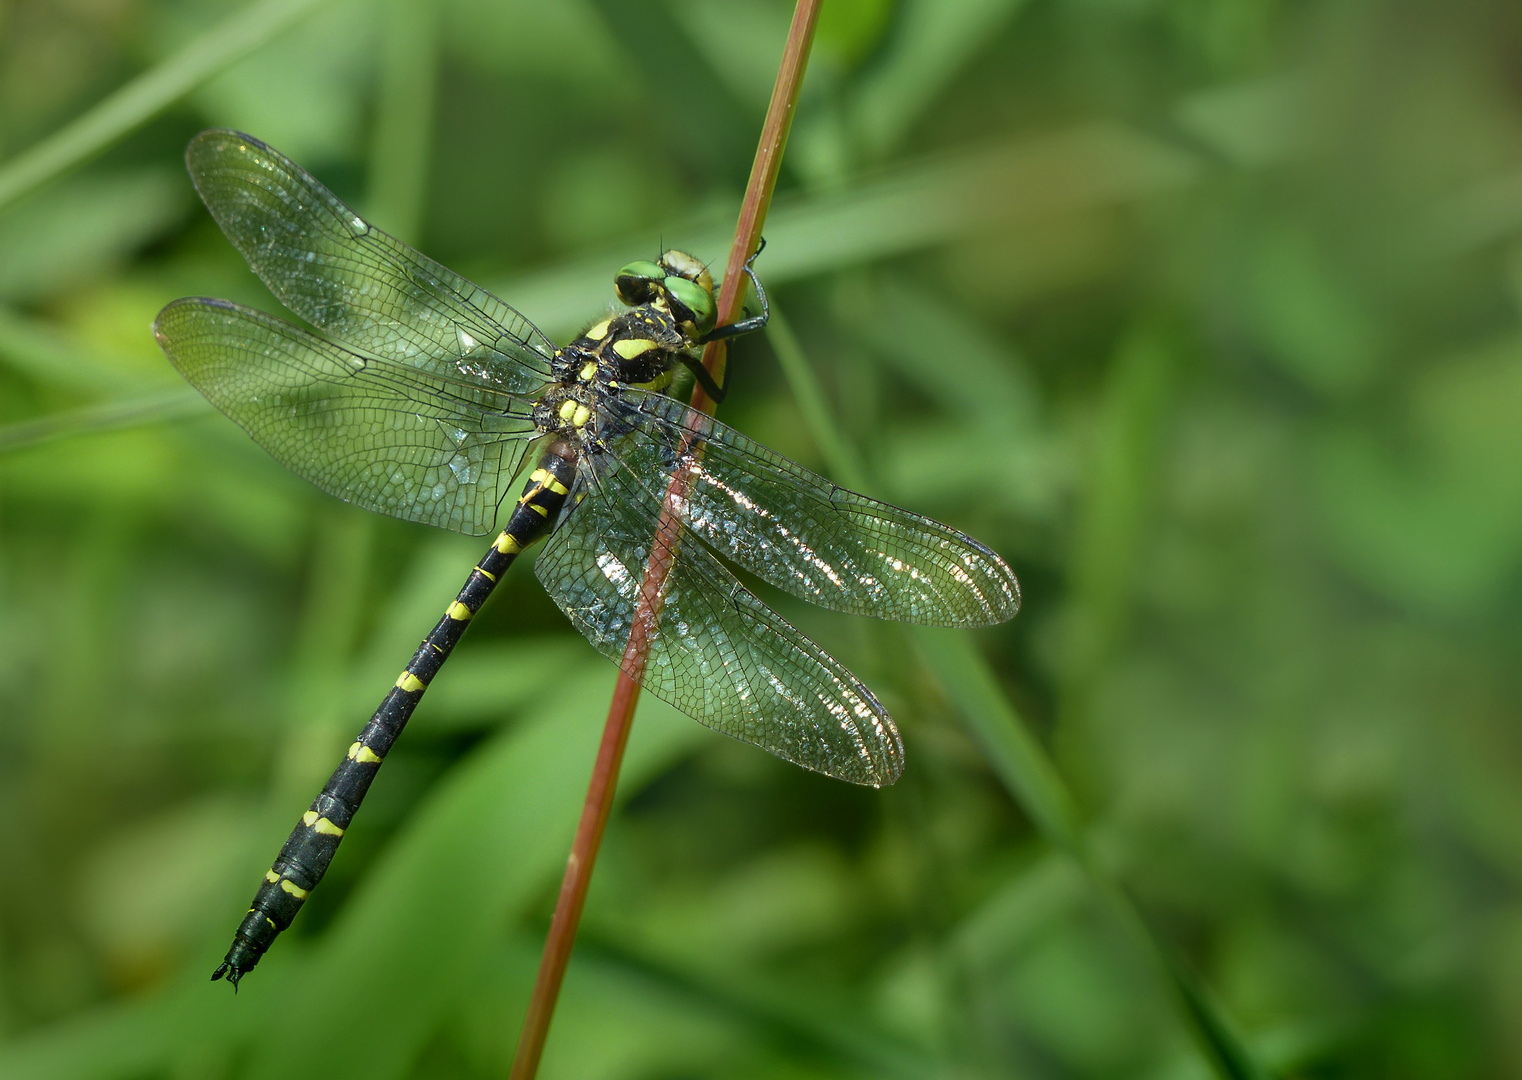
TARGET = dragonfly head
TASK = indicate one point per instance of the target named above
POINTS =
(639, 282)
(681, 265)
(680, 280)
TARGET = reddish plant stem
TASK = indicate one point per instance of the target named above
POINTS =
(763, 181)
(615, 735)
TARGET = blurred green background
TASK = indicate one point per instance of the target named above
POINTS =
(1204, 313)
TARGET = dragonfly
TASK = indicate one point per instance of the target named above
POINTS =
(424, 397)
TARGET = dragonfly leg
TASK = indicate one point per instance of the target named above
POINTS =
(715, 390)
(705, 378)
(755, 322)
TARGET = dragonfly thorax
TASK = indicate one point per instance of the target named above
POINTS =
(570, 411)
(637, 348)
(671, 308)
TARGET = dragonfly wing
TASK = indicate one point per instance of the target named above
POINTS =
(715, 651)
(807, 536)
(355, 283)
(384, 435)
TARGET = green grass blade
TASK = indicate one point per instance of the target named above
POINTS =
(107, 416)
(1032, 779)
(779, 1010)
(1016, 756)
(147, 95)
(1112, 520)
(81, 228)
(905, 209)
(477, 855)
(934, 44)
(1211, 1023)
(839, 456)
(407, 76)
(36, 349)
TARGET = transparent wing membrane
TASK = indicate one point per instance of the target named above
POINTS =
(354, 282)
(420, 396)
(796, 530)
(715, 651)
(388, 436)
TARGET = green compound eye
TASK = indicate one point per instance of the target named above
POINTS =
(635, 283)
(692, 303)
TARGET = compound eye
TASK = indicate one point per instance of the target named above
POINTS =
(691, 303)
(635, 283)
(683, 265)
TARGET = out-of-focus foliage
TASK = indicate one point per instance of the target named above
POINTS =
(1204, 313)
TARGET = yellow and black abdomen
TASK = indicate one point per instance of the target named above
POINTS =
(315, 839)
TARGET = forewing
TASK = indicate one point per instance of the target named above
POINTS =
(354, 282)
(384, 435)
(714, 650)
(821, 542)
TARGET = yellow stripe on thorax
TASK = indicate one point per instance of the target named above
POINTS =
(629, 348)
